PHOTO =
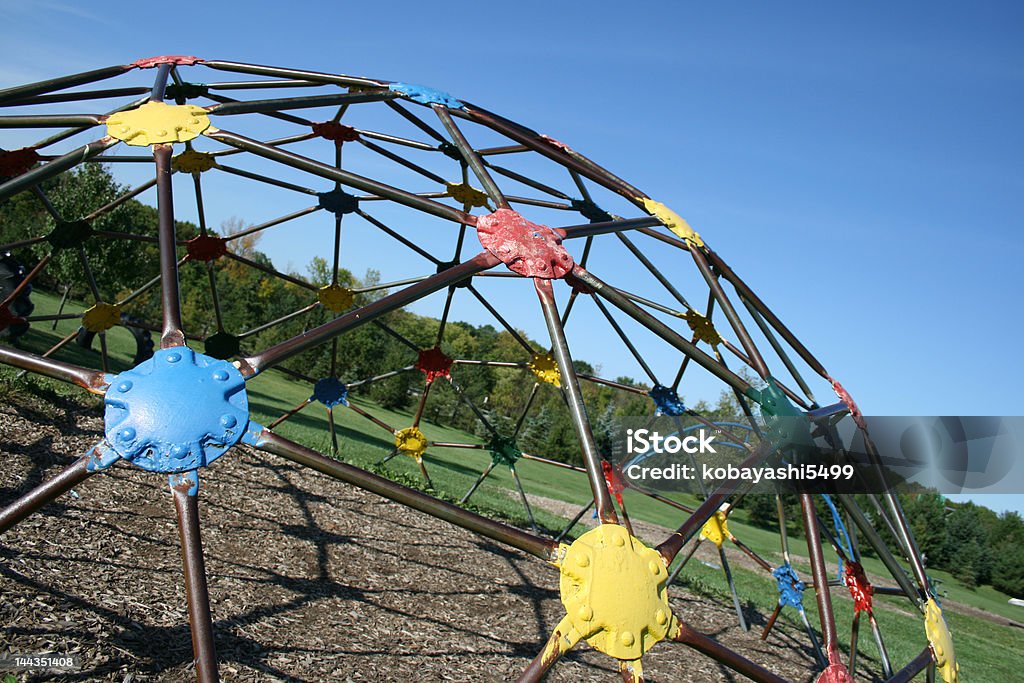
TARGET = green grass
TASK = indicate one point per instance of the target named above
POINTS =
(987, 651)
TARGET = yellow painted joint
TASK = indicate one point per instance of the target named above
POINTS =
(158, 123)
(335, 298)
(941, 642)
(191, 161)
(672, 221)
(703, 329)
(467, 194)
(614, 590)
(411, 442)
(101, 317)
(545, 369)
(716, 529)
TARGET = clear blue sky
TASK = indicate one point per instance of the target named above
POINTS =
(861, 166)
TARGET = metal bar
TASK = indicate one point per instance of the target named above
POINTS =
(556, 463)
(504, 323)
(172, 333)
(259, 85)
(525, 180)
(781, 352)
(384, 137)
(270, 271)
(343, 177)
(41, 87)
(279, 352)
(661, 329)
(46, 492)
(626, 341)
(271, 223)
(419, 250)
(286, 103)
(574, 521)
(720, 653)
(732, 588)
(522, 496)
(605, 227)
(471, 157)
(53, 168)
(416, 121)
(911, 670)
(540, 547)
(577, 409)
(92, 380)
(265, 179)
(820, 574)
(703, 513)
(402, 160)
(479, 480)
(883, 653)
(134, 192)
(196, 593)
(50, 121)
(640, 256)
(282, 319)
(27, 280)
(315, 76)
(75, 96)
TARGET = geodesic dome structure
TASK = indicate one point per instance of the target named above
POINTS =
(463, 205)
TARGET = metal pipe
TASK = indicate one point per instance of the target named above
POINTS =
(820, 574)
(46, 492)
(55, 167)
(471, 157)
(172, 333)
(92, 380)
(712, 648)
(196, 593)
(41, 87)
(577, 409)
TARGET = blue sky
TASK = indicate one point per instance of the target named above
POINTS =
(860, 166)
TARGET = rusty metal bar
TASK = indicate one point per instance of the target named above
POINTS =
(297, 74)
(577, 409)
(92, 380)
(720, 653)
(196, 593)
(55, 167)
(527, 542)
(911, 670)
(819, 572)
(279, 352)
(46, 492)
(42, 87)
(402, 160)
(172, 333)
(471, 157)
(50, 121)
(308, 102)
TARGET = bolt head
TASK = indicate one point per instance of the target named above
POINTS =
(619, 541)
(627, 638)
(125, 386)
(654, 567)
(127, 434)
(228, 420)
(173, 357)
(660, 617)
(221, 375)
(583, 561)
(585, 613)
(179, 451)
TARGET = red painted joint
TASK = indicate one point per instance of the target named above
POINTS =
(851, 405)
(614, 480)
(17, 161)
(434, 363)
(530, 249)
(206, 248)
(861, 589)
(177, 60)
(339, 133)
(836, 672)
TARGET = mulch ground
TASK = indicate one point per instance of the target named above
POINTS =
(310, 579)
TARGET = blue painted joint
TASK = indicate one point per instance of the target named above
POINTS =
(791, 588)
(178, 411)
(425, 95)
(178, 480)
(253, 434)
(331, 392)
(101, 457)
(666, 401)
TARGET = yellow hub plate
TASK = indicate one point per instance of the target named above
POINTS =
(158, 123)
(615, 593)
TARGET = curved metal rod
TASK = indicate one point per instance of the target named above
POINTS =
(543, 548)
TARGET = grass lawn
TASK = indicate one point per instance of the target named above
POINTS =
(987, 651)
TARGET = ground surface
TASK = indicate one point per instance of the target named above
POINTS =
(310, 579)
